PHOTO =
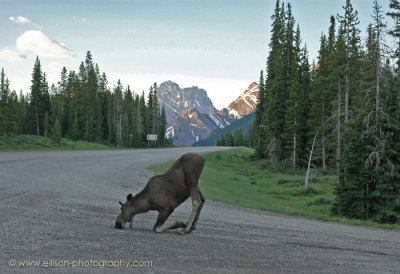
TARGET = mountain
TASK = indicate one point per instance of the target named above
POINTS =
(177, 100)
(191, 126)
(199, 118)
(245, 104)
(244, 123)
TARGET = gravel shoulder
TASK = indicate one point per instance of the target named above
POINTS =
(61, 207)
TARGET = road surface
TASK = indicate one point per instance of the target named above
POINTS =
(58, 211)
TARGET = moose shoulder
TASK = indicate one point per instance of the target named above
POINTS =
(166, 192)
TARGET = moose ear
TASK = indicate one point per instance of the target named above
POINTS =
(129, 197)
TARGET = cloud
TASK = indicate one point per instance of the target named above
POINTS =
(42, 45)
(83, 20)
(20, 20)
(11, 55)
(55, 66)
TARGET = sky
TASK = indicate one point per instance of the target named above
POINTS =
(218, 45)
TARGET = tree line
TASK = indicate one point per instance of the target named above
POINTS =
(237, 138)
(349, 103)
(81, 106)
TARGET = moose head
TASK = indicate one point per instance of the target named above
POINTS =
(127, 212)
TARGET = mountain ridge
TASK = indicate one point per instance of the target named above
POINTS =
(199, 118)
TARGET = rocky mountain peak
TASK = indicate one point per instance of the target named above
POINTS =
(176, 99)
(243, 105)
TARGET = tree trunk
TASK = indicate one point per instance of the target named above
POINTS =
(323, 152)
(274, 149)
(295, 136)
(309, 163)
(323, 134)
(294, 150)
(346, 105)
(37, 120)
(338, 148)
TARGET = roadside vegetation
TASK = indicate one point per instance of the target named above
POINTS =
(235, 178)
(32, 142)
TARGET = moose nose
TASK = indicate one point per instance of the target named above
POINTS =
(119, 225)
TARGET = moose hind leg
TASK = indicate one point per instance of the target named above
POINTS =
(203, 200)
(162, 217)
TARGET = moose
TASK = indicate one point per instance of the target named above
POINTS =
(165, 192)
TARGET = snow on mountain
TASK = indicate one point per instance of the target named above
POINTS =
(198, 117)
(191, 126)
(245, 104)
(177, 100)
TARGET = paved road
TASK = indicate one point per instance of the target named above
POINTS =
(59, 208)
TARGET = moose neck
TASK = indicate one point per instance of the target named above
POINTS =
(141, 203)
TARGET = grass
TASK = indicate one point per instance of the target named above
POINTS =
(31, 142)
(233, 178)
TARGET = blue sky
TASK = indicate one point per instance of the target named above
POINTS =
(218, 45)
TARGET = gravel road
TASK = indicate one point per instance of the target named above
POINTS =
(58, 209)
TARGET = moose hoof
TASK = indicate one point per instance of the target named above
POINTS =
(180, 225)
(182, 232)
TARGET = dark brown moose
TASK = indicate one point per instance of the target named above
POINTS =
(166, 192)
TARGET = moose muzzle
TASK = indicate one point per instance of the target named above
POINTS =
(119, 223)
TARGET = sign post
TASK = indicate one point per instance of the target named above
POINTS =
(152, 137)
(130, 139)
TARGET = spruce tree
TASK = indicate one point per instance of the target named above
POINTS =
(274, 119)
(39, 101)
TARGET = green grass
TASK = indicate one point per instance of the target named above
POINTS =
(233, 178)
(31, 142)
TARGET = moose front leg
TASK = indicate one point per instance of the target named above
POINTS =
(196, 203)
(131, 221)
(194, 225)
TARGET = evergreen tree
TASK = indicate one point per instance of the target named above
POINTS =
(350, 33)
(261, 139)
(4, 103)
(39, 101)
(274, 108)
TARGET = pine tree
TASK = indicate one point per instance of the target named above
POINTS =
(395, 32)
(261, 139)
(39, 101)
(274, 119)
(4, 107)
(163, 126)
(117, 112)
(350, 33)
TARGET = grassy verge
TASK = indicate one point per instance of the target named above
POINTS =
(30, 142)
(231, 177)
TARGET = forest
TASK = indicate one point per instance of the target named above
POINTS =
(82, 107)
(344, 109)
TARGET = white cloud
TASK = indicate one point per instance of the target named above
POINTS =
(20, 20)
(55, 66)
(83, 20)
(11, 55)
(42, 45)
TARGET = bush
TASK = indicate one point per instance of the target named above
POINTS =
(387, 217)
(321, 201)
(303, 192)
